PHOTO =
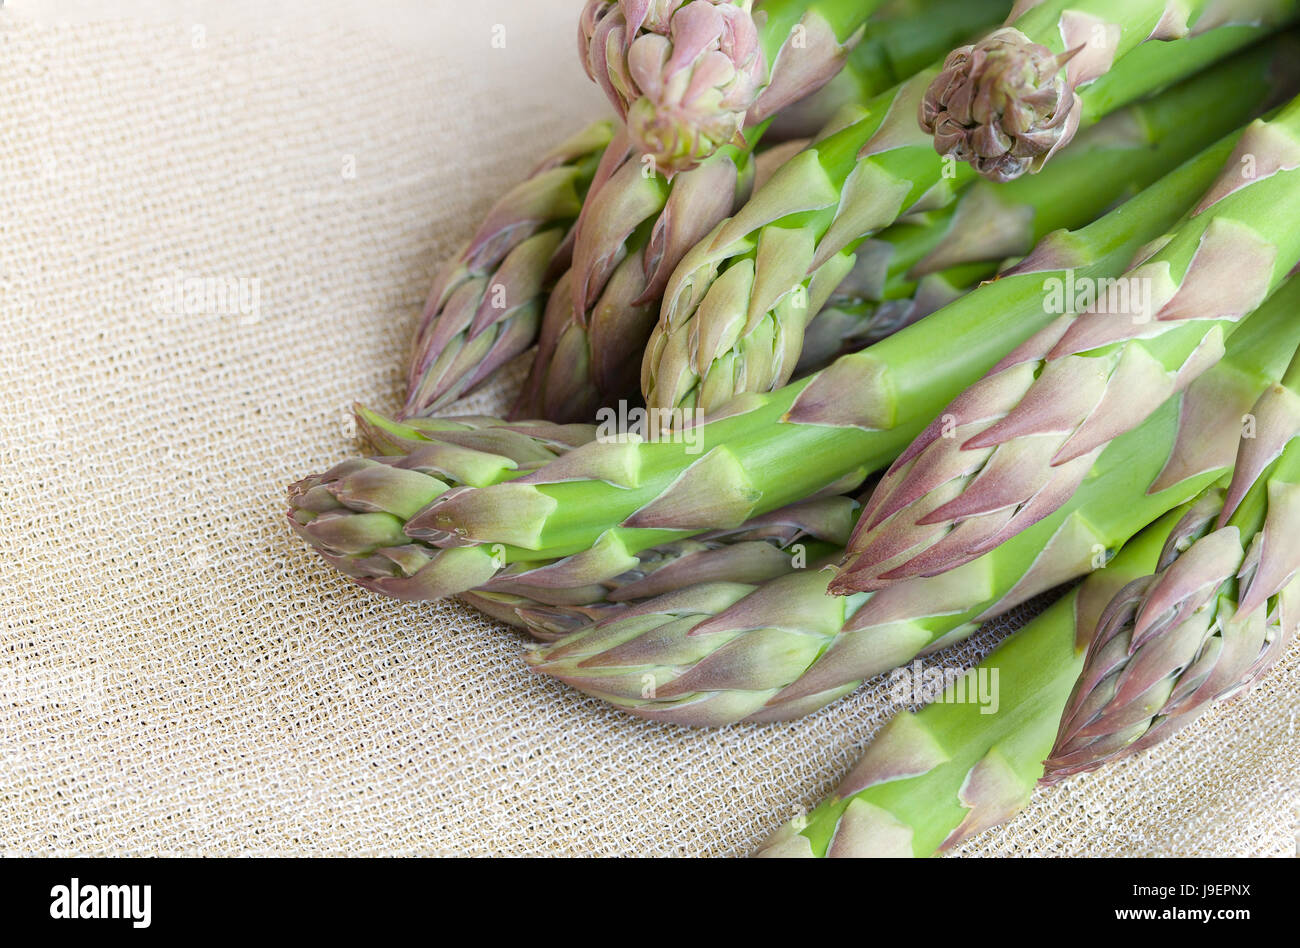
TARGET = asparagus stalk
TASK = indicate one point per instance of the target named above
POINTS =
(930, 779)
(735, 309)
(688, 75)
(1217, 612)
(1015, 446)
(778, 650)
(639, 222)
(485, 304)
(925, 261)
(823, 434)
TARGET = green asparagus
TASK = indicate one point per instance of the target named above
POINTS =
(737, 651)
(1139, 650)
(735, 309)
(638, 222)
(932, 778)
(1219, 609)
(1015, 446)
(823, 434)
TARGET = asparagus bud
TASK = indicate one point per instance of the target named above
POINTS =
(1001, 104)
(682, 74)
(485, 304)
(1215, 615)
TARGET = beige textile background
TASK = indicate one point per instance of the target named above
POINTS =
(177, 673)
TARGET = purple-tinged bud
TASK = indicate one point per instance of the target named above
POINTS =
(682, 74)
(1003, 105)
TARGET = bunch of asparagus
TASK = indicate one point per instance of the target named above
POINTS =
(1033, 275)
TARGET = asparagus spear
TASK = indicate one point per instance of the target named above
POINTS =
(735, 309)
(353, 513)
(551, 598)
(558, 598)
(1015, 446)
(1007, 103)
(930, 779)
(825, 433)
(902, 37)
(1219, 609)
(784, 648)
(1184, 616)
(638, 222)
(485, 305)
(687, 75)
(925, 261)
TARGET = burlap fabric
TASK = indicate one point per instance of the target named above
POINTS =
(180, 675)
